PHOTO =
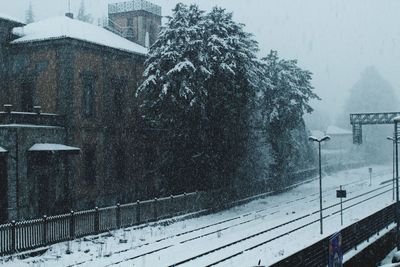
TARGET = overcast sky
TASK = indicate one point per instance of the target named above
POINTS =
(335, 39)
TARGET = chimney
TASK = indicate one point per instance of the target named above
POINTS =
(8, 108)
(69, 15)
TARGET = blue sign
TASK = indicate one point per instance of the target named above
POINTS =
(335, 250)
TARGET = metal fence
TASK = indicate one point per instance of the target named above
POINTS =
(317, 254)
(31, 234)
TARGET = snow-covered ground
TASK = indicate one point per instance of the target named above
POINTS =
(259, 221)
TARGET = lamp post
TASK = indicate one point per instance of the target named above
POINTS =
(322, 139)
(393, 155)
(396, 122)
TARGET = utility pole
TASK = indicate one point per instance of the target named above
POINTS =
(314, 139)
(396, 121)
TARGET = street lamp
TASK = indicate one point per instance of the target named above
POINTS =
(396, 122)
(322, 139)
(393, 154)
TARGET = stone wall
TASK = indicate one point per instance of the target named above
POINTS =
(17, 139)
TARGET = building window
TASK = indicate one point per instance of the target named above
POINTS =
(27, 96)
(89, 159)
(88, 100)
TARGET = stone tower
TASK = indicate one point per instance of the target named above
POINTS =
(136, 20)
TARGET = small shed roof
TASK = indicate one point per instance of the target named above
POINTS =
(3, 150)
(52, 147)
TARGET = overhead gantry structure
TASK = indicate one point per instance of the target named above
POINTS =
(357, 120)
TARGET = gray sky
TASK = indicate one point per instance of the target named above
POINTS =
(335, 39)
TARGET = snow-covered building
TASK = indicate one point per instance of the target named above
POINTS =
(88, 75)
(341, 139)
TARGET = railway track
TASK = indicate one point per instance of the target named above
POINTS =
(254, 246)
(248, 220)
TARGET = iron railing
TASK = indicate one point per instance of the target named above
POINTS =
(41, 232)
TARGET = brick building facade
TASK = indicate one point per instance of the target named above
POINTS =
(88, 76)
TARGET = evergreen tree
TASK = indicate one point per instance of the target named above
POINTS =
(173, 95)
(283, 103)
(198, 85)
(29, 16)
(232, 62)
(82, 16)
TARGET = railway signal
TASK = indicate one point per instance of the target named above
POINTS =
(341, 194)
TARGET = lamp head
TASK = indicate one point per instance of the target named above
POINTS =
(325, 138)
(313, 138)
(396, 119)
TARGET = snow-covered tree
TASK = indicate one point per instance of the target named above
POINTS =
(29, 16)
(198, 85)
(283, 103)
(82, 15)
(233, 65)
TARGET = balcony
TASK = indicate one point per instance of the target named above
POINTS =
(31, 118)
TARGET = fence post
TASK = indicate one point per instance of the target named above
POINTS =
(354, 233)
(137, 211)
(72, 225)
(118, 214)
(44, 236)
(185, 205)
(196, 202)
(96, 220)
(155, 209)
(13, 237)
(171, 206)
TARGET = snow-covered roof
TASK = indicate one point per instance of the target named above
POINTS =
(52, 147)
(64, 27)
(9, 18)
(336, 130)
(2, 150)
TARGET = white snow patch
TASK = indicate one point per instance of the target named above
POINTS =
(2, 150)
(52, 147)
(64, 27)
